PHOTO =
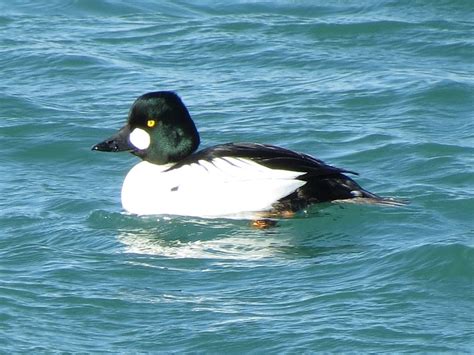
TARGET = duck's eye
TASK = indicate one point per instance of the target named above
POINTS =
(151, 123)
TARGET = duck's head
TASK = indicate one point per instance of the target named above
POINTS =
(159, 130)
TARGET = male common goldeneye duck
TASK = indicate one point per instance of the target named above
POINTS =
(245, 180)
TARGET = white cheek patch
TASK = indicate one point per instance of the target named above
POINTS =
(140, 138)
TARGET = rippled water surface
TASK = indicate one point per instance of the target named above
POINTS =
(384, 88)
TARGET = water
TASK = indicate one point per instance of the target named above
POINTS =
(384, 88)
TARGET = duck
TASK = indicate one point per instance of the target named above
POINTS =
(231, 180)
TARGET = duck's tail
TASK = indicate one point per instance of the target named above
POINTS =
(366, 197)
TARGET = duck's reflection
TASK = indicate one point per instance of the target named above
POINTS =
(227, 239)
(203, 239)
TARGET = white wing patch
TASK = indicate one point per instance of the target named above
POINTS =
(221, 187)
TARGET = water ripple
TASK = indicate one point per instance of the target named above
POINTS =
(377, 87)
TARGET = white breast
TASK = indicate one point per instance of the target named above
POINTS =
(224, 187)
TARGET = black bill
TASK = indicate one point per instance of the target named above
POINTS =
(117, 143)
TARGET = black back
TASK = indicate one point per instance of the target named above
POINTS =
(267, 155)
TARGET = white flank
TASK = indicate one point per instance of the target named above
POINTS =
(224, 187)
(140, 138)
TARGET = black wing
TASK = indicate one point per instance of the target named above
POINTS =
(267, 155)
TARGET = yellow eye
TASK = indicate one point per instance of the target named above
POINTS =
(151, 123)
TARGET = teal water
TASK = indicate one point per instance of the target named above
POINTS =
(384, 88)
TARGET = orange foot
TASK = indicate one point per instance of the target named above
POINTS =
(263, 223)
